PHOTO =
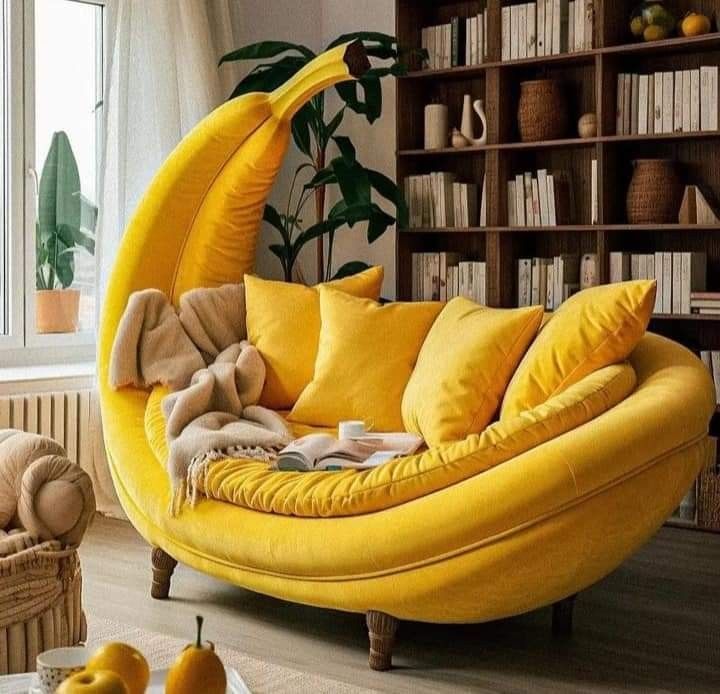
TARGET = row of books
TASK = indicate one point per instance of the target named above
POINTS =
(540, 200)
(678, 276)
(546, 27)
(550, 281)
(705, 303)
(443, 276)
(711, 359)
(666, 102)
(438, 200)
(463, 41)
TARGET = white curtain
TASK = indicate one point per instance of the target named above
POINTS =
(162, 77)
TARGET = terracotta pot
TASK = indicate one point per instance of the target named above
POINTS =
(542, 111)
(655, 192)
(57, 310)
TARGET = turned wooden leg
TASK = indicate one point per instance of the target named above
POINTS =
(381, 629)
(163, 566)
(563, 616)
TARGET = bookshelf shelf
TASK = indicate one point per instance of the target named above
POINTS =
(590, 77)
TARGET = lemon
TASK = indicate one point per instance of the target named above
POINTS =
(654, 32)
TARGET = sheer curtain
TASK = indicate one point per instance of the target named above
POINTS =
(161, 79)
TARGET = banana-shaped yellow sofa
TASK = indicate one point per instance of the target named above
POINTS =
(443, 536)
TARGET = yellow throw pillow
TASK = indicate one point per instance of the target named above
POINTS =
(592, 329)
(464, 366)
(365, 357)
(283, 322)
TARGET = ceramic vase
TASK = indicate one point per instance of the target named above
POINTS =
(436, 126)
(466, 126)
(655, 192)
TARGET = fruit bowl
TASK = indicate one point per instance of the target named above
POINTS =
(651, 21)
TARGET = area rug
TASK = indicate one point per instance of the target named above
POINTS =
(261, 677)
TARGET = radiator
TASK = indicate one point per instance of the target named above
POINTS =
(72, 418)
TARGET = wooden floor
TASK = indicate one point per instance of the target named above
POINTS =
(653, 625)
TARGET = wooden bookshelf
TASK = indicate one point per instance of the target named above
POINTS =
(590, 78)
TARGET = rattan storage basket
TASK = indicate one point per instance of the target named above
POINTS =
(40, 602)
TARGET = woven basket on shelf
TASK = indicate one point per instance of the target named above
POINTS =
(655, 192)
(542, 111)
(40, 604)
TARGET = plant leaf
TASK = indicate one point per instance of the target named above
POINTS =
(265, 49)
(323, 177)
(350, 268)
(269, 76)
(390, 191)
(301, 129)
(346, 147)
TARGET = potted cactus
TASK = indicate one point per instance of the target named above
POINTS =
(65, 226)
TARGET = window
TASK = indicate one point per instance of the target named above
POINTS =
(51, 110)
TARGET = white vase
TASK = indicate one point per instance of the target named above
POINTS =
(466, 126)
(436, 126)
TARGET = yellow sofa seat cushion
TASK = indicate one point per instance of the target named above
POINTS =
(365, 357)
(463, 368)
(592, 329)
(251, 484)
(283, 322)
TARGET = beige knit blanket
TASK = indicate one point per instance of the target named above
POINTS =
(216, 376)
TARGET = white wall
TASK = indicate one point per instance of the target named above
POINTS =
(316, 23)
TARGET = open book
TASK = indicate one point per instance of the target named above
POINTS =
(325, 452)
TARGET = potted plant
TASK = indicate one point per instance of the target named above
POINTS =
(314, 130)
(65, 225)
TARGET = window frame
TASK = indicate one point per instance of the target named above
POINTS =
(23, 346)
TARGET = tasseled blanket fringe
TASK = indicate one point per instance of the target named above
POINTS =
(187, 491)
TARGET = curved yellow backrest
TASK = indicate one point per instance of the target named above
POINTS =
(198, 222)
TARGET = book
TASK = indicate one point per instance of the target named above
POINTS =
(658, 103)
(620, 105)
(550, 286)
(693, 277)
(520, 200)
(659, 277)
(668, 92)
(709, 97)
(651, 104)
(531, 30)
(627, 102)
(524, 282)
(643, 104)
(535, 203)
(686, 100)
(677, 101)
(543, 194)
(511, 205)
(552, 215)
(522, 31)
(325, 452)
(540, 29)
(560, 26)
(482, 221)
(527, 191)
(514, 32)
(619, 266)
(634, 97)
(505, 31)
(694, 100)
(667, 282)
(676, 283)
(549, 9)
(579, 29)
(588, 18)
(571, 25)
(594, 204)
(715, 360)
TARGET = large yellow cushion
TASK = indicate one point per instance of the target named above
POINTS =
(463, 368)
(283, 322)
(365, 357)
(592, 329)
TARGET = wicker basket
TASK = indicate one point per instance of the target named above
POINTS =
(542, 111)
(40, 603)
(655, 192)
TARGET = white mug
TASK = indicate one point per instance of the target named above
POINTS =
(351, 429)
(56, 665)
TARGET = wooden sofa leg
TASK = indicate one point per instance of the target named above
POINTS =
(562, 617)
(163, 566)
(381, 629)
